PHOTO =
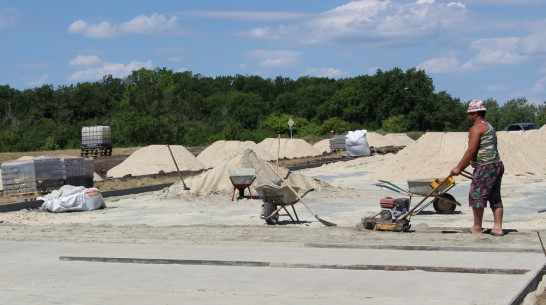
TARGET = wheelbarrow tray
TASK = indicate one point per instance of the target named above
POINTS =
(278, 194)
(242, 176)
(423, 186)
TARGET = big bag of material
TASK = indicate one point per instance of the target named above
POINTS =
(356, 143)
(70, 198)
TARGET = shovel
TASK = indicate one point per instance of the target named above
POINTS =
(278, 181)
(178, 170)
(324, 222)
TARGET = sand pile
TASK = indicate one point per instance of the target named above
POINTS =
(431, 156)
(289, 148)
(221, 151)
(398, 139)
(392, 139)
(216, 180)
(155, 158)
(323, 146)
(522, 153)
(377, 140)
(436, 153)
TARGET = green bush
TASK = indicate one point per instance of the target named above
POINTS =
(395, 124)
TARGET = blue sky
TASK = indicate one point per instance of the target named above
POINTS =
(472, 49)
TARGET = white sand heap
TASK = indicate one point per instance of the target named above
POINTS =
(436, 153)
(323, 146)
(431, 156)
(152, 159)
(289, 148)
(522, 153)
(377, 140)
(221, 151)
(392, 139)
(398, 139)
(216, 180)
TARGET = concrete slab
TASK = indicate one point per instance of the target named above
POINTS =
(33, 274)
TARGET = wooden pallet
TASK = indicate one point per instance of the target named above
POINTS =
(96, 152)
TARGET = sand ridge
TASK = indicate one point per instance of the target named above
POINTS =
(155, 158)
(288, 148)
(220, 151)
(436, 153)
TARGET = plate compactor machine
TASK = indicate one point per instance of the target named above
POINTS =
(395, 212)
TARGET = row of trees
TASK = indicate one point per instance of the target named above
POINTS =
(161, 106)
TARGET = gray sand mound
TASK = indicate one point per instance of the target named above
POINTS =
(216, 180)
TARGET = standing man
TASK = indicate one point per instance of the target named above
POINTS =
(483, 155)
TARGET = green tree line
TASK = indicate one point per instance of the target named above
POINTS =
(161, 106)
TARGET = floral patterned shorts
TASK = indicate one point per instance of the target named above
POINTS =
(486, 186)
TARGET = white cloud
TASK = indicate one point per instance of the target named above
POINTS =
(275, 58)
(372, 22)
(8, 17)
(501, 2)
(145, 25)
(540, 86)
(324, 72)
(82, 60)
(440, 65)
(115, 69)
(495, 51)
(533, 43)
(35, 82)
(139, 25)
(246, 15)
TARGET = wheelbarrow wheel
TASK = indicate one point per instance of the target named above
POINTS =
(442, 206)
(270, 208)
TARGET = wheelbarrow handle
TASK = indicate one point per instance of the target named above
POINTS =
(391, 188)
(466, 174)
(394, 185)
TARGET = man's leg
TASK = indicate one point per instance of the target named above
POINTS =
(497, 225)
(478, 217)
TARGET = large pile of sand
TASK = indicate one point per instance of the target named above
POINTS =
(288, 148)
(216, 180)
(432, 156)
(522, 153)
(377, 140)
(392, 139)
(152, 159)
(221, 151)
(436, 153)
(323, 146)
(398, 139)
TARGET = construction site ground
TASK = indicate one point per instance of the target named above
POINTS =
(143, 250)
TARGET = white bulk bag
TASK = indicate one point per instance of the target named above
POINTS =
(72, 198)
(357, 144)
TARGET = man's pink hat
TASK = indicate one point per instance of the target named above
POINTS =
(475, 106)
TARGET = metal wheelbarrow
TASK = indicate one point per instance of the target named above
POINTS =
(242, 178)
(442, 202)
(275, 198)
